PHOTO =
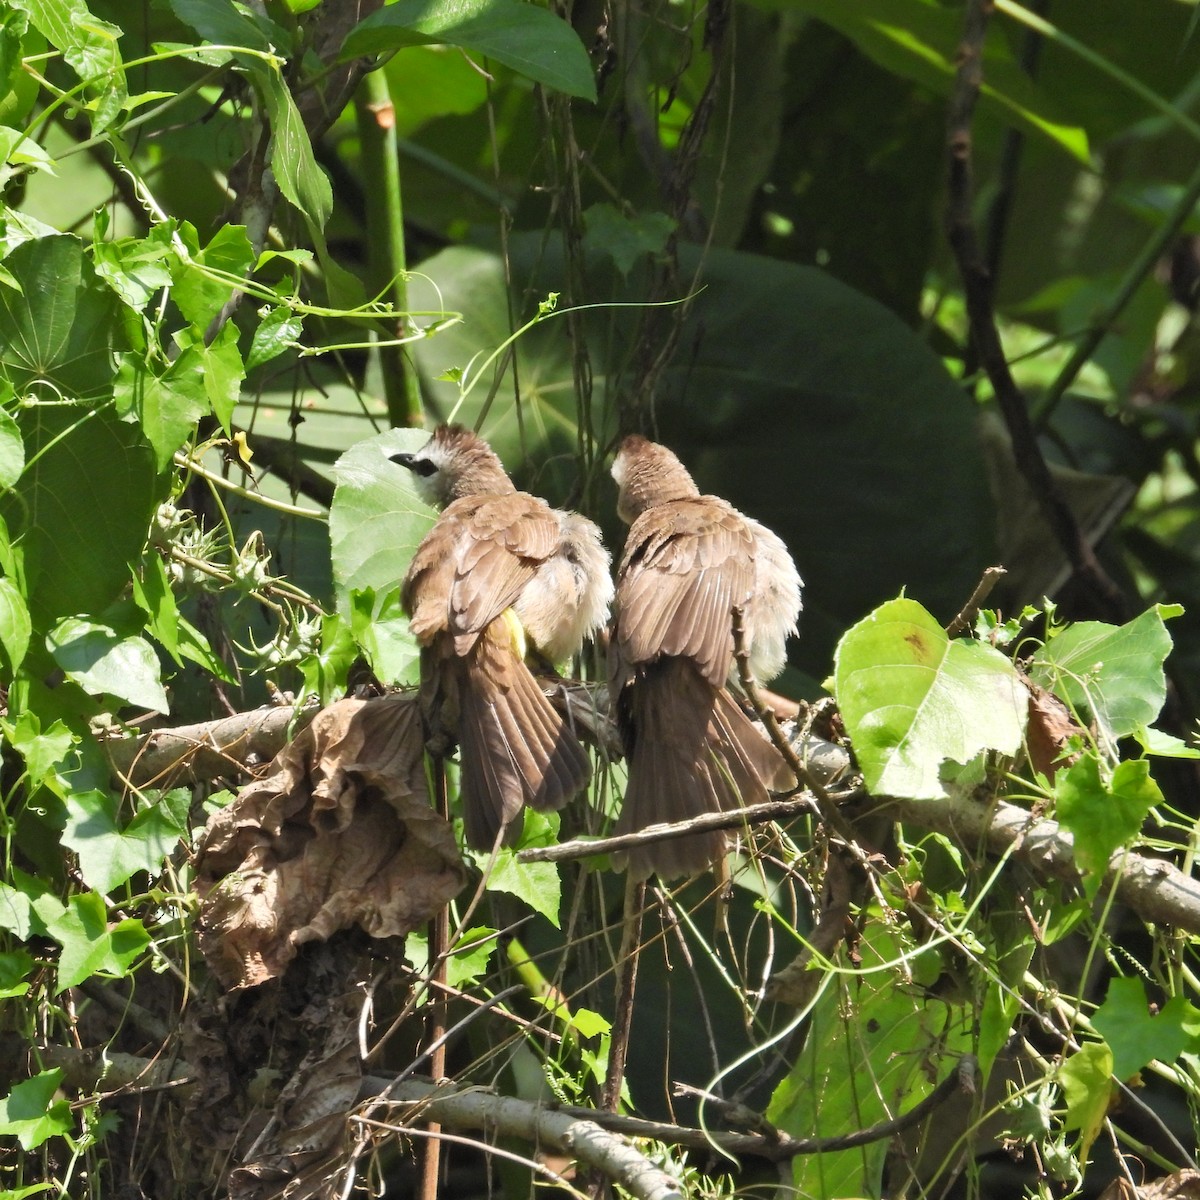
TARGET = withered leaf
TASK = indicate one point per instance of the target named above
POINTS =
(340, 833)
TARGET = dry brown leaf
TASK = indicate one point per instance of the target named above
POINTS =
(1050, 727)
(341, 833)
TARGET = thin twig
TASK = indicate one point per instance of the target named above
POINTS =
(966, 617)
(754, 814)
(627, 967)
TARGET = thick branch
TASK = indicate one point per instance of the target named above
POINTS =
(1156, 890)
(192, 753)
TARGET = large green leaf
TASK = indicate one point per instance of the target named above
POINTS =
(920, 41)
(90, 944)
(806, 404)
(1112, 673)
(30, 1112)
(84, 507)
(1136, 1035)
(376, 522)
(56, 332)
(105, 663)
(913, 700)
(533, 41)
(874, 1048)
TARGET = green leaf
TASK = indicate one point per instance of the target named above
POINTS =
(104, 663)
(538, 884)
(12, 448)
(625, 239)
(215, 368)
(228, 24)
(532, 41)
(1103, 814)
(109, 854)
(15, 627)
(89, 46)
(1138, 1037)
(44, 753)
(376, 522)
(82, 504)
(1086, 1079)
(137, 269)
(16, 911)
(15, 969)
(1114, 673)
(589, 1024)
(467, 964)
(874, 1041)
(920, 41)
(300, 179)
(278, 331)
(1164, 745)
(82, 508)
(31, 1114)
(913, 700)
(167, 406)
(57, 330)
(89, 945)
(199, 293)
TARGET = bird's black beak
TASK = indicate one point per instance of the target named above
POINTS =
(403, 459)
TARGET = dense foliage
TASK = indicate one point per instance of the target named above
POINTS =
(246, 247)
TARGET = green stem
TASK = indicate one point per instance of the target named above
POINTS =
(385, 239)
(1145, 262)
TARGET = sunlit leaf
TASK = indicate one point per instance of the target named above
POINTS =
(1114, 673)
(30, 1112)
(538, 884)
(109, 852)
(1103, 813)
(15, 627)
(105, 663)
(1134, 1034)
(914, 700)
(376, 522)
(90, 946)
(1086, 1079)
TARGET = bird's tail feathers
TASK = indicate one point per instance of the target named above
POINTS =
(514, 747)
(690, 750)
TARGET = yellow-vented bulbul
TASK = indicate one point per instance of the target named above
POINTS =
(500, 578)
(689, 560)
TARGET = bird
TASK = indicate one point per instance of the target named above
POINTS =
(500, 580)
(690, 559)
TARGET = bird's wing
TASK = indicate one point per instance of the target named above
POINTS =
(686, 565)
(475, 561)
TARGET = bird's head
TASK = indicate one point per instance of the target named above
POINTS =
(454, 463)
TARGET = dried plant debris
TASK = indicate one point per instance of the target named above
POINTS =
(340, 834)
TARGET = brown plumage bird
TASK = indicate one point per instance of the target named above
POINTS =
(689, 560)
(500, 578)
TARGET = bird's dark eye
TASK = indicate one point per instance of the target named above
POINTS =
(424, 467)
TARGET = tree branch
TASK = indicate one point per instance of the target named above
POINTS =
(210, 750)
